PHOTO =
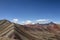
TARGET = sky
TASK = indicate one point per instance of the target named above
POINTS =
(30, 10)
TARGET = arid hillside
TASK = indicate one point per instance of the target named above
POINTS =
(14, 31)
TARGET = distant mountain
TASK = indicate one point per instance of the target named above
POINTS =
(14, 31)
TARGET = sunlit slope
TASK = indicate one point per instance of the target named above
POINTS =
(6, 28)
(34, 33)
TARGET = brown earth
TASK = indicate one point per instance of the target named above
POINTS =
(13, 31)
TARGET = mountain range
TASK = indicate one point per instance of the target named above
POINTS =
(15, 31)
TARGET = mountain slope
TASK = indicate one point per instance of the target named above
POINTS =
(15, 31)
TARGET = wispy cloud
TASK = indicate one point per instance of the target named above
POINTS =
(42, 21)
(15, 20)
(57, 22)
(27, 22)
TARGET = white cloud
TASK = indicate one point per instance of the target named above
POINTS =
(42, 21)
(57, 22)
(15, 20)
(27, 22)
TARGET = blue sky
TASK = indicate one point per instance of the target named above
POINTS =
(30, 9)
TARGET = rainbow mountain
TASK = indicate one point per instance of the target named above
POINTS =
(14, 31)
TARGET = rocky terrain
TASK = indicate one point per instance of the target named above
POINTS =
(14, 31)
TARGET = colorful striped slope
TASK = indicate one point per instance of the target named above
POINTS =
(13, 31)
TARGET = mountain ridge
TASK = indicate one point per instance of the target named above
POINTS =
(29, 32)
